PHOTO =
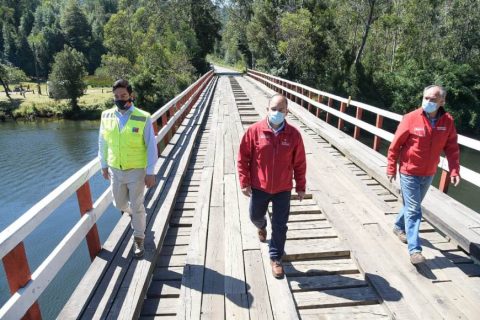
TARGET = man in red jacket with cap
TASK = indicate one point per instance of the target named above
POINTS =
(419, 140)
(272, 154)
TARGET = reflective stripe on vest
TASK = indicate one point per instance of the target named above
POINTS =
(126, 148)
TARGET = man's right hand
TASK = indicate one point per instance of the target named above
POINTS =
(247, 191)
(391, 177)
(105, 174)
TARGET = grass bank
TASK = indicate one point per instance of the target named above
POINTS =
(34, 105)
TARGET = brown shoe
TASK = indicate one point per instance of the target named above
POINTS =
(262, 234)
(400, 234)
(417, 258)
(138, 247)
(277, 269)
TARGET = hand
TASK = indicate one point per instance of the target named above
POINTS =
(149, 180)
(105, 174)
(301, 195)
(391, 177)
(455, 180)
(247, 191)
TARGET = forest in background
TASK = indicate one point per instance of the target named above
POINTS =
(160, 46)
(382, 52)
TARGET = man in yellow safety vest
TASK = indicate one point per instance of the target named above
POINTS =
(128, 152)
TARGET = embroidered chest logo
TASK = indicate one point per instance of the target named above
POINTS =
(442, 128)
(419, 132)
(285, 142)
(135, 129)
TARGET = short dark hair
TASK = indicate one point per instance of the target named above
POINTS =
(122, 83)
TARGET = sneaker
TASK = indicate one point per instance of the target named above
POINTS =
(400, 234)
(262, 234)
(417, 258)
(138, 247)
(277, 268)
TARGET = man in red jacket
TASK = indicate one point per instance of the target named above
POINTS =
(271, 154)
(419, 140)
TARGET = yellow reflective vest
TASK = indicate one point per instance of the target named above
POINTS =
(126, 147)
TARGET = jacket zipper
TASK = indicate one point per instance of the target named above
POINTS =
(273, 160)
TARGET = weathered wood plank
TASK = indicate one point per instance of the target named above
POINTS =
(306, 217)
(192, 281)
(368, 312)
(320, 267)
(311, 234)
(164, 289)
(336, 298)
(171, 261)
(258, 296)
(309, 225)
(162, 306)
(327, 282)
(315, 248)
(236, 303)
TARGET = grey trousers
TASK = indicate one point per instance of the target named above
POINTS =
(128, 187)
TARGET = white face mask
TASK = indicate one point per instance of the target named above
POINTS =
(429, 106)
(276, 117)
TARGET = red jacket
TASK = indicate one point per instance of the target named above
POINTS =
(269, 162)
(418, 146)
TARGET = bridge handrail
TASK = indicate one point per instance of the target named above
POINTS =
(282, 85)
(462, 140)
(12, 237)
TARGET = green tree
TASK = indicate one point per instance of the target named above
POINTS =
(76, 29)
(66, 78)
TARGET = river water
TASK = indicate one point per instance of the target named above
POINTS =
(36, 157)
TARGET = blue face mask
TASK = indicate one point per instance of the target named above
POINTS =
(429, 106)
(276, 117)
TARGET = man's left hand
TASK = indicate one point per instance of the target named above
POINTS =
(301, 195)
(455, 180)
(149, 181)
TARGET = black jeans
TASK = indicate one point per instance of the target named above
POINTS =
(281, 209)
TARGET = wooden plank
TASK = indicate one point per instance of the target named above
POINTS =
(213, 300)
(311, 233)
(367, 312)
(258, 296)
(174, 250)
(315, 248)
(167, 273)
(172, 240)
(309, 225)
(327, 282)
(281, 299)
(306, 217)
(236, 303)
(164, 289)
(192, 281)
(163, 306)
(336, 298)
(320, 267)
(171, 261)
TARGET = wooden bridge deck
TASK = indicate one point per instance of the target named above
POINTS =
(204, 261)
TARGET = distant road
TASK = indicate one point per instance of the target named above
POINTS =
(223, 70)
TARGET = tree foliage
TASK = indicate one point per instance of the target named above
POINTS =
(66, 78)
(378, 51)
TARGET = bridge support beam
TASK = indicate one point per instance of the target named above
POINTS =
(85, 203)
(18, 275)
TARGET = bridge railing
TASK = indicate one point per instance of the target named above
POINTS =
(317, 101)
(26, 286)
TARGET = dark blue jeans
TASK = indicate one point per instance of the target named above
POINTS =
(281, 209)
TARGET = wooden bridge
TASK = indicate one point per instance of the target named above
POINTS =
(203, 259)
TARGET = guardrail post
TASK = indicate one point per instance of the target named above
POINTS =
(341, 122)
(18, 275)
(444, 181)
(356, 132)
(330, 104)
(377, 139)
(309, 106)
(164, 123)
(317, 112)
(85, 203)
